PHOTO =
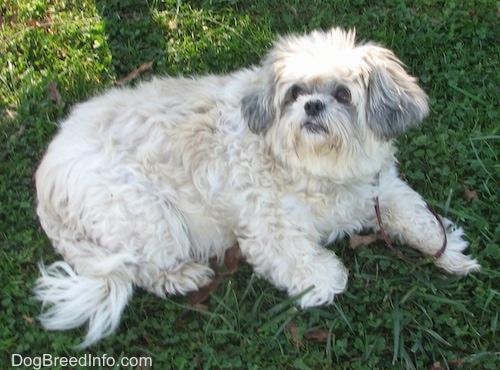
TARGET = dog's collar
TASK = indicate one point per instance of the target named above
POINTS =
(388, 242)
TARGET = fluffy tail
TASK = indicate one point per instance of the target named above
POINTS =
(69, 300)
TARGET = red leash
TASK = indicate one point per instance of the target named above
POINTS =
(388, 241)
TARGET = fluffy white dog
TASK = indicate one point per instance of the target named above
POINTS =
(142, 186)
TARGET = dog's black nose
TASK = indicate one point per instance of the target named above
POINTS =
(314, 107)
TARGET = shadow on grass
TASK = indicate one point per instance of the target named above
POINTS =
(133, 35)
(179, 39)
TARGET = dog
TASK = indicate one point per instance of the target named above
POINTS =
(142, 186)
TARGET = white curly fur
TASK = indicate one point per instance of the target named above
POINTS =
(142, 186)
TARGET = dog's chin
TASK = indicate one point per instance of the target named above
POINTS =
(337, 150)
(315, 127)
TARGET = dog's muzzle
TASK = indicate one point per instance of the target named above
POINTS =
(313, 109)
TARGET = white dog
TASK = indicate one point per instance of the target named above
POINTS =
(142, 186)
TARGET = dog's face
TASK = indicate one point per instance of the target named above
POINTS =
(330, 107)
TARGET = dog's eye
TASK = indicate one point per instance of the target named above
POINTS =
(296, 91)
(343, 95)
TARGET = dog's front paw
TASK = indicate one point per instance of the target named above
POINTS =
(326, 275)
(453, 260)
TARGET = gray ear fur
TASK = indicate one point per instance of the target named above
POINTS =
(258, 110)
(395, 102)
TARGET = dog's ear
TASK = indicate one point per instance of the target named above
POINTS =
(258, 109)
(395, 102)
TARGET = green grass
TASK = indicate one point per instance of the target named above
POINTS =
(394, 314)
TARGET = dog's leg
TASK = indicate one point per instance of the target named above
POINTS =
(118, 234)
(182, 277)
(166, 259)
(287, 257)
(155, 232)
(405, 216)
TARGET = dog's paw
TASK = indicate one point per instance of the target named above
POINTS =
(183, 278)
(327, 277)
(453, 259)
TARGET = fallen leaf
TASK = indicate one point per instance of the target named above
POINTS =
(197, 362)
(10, 114)
(19, 132)
(46, 23)
(199, 307)
(172, 24)
(28, 319)
(32, 23)
(232, 257)
(317, 335)
(135, 73)
(293, 330)
(202, 294)
(469, 195)
(147, 338)
(436, 366)
(457, 363)
(143, 365)
(356, 241)
(54, 94)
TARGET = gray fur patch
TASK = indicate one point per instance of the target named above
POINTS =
(394, 102)
(258, 110)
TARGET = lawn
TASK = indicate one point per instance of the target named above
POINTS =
(394, 314)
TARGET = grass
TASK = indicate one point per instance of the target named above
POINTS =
(394, 314)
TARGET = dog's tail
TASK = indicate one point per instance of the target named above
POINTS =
(70, 300)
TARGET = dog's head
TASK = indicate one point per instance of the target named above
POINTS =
(331, 107)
